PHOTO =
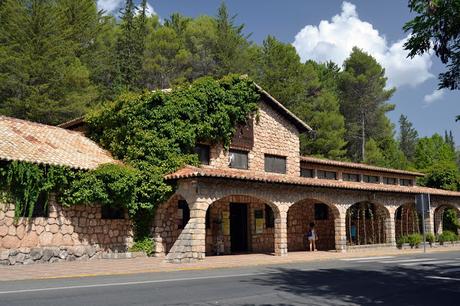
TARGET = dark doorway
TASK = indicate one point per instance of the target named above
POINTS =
(238, 227)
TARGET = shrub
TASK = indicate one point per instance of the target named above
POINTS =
(414, 240)
(400, 241)
(145, 245)
(447, 236)
(430, 238)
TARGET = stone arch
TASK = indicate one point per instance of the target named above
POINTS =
(260, 226)
(168, 223)
(407, 220)
(311, 210)
(368, 222)
(439, 221)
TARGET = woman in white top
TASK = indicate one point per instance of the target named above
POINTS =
(312, 237)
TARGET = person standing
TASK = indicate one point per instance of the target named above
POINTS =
(312, 236)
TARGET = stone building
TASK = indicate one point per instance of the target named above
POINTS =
(57, 233)
(260, 195)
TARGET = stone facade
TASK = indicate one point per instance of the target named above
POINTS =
(77, 232)
(273, 135)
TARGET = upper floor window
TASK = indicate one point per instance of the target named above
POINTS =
(184, 213)
(351, 177)
(304, 172)
(112, 212)
(244, 136)
(274, 163)
(238, 159)
(370, 179)
(328, 175)
(405, 182)
(390, 180)
(203, 153)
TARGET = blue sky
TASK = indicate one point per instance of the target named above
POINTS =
(327, 30)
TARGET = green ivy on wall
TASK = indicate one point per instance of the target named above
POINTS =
(153, 134)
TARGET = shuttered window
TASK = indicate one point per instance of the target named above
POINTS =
(370, 179)
(274, 163)
(390, 180)
(203, 153)
(304, 172)
(238, 159)
(350, 177)
(327, 175)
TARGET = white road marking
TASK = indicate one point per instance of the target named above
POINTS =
(427, 263)
(407, 260)
(450, 270)
(134, 283)
(443, 278)
(366, 258)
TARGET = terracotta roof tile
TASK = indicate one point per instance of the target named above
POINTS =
(330, 162)
(44, 144)
(190, 172)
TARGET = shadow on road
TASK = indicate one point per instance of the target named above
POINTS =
(389, 286)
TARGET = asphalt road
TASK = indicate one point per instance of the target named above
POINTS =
(431, 279)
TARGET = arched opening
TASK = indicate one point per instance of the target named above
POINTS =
(240, 224)
(307, 211)
(366, 223)
(407, 220)
(446, 218)
(170, 219)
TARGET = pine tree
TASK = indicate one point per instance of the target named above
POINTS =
(364, 102)
(407, 138)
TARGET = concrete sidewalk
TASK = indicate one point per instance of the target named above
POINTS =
(153, 264)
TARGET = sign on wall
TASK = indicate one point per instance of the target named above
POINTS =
(259, 217)
(226, 223)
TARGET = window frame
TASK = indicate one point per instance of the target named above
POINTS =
(402, 181)
(274, 168)
(241, 153)
(302, 169)
(323, 174)
(366, 179)
(386, 180)
(346, 174)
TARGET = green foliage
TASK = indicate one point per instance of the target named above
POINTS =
(444, 175)
(145, 245)
(363, 98)
(401, 240)
(414, 240)
(408, 138)
(450, 220)
(437, 26)
(447, 236)
(430, 238)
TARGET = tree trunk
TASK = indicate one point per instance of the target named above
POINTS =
(363, 211)
(357, 228)
(372, 223)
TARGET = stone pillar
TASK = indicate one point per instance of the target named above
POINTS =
(340, 231)
(390, 228)
(191, 244)
(281, 234)
(430, 221)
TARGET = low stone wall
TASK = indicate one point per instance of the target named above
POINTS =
(77, 232)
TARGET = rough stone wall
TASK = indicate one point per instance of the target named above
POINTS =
(300, 215)
(166, 226)
(72, 233)
(273, 134)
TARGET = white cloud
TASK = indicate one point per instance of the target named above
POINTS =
(109, 5)
(436, 95)
(333, 41)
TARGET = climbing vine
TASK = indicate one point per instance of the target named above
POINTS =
(154, 133)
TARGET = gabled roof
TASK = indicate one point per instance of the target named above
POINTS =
(44, 144)
(329, 162)
(299, 124)
(245, 175)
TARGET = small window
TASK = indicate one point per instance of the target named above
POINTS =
(370, 179)
(351, 177)
(327, 175)
(321, 211)
(276, 164)
(304, 172)
(203, 153)
(238, 159)
(390, 180)
(184, 213)
(269, 217)
(405, 182)
(112, 213)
